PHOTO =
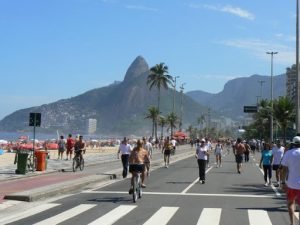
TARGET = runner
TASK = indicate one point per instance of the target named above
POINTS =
(266, 160)
(277, 152)
(238, 151)
(166, 150)
(218, 153)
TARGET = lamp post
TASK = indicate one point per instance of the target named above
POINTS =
(261, 89)
(174, 90)
(181, 105)
(271, 115)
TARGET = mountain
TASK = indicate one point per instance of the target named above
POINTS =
(119, 108)
(241, 92)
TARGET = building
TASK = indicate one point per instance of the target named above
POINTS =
(91, 126)
(291, 80)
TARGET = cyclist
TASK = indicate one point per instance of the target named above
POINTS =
(137, 160)
(79, 147)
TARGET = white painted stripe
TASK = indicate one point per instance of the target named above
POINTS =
(258, 217)
(210, 216)
(195, 181)
(61, 217)
(8, 203)
(184, 194)
(27, 213)
(113, 215)
(162, 216)
(296, 215)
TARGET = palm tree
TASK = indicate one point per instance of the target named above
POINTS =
(172, 119)
(284, 113)
(153, 114)
(162, 122)
(159, 78)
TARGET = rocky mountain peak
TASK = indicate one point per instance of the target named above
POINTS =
(138, 67)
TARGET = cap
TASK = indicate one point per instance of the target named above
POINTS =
(202, 140)
(296, 140)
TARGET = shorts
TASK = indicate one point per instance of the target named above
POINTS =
(69, 151)
(275, 167)
(61, 149)
(218, 153)
(292, 194)
(136, 168)
(239, 158)
(167, 152)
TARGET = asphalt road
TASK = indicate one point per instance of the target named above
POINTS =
(173, 196)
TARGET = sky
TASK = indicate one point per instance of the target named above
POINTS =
(57, 49)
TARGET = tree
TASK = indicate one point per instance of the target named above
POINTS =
(162, 122)
(284, 113)
(153, 114)
(172, 120)
(159, 78)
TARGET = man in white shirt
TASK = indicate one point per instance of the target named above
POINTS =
(291, 171)
(173, 142)
(125, 150)
(277, 152)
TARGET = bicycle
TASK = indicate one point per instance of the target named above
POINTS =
(137, 181)
(78, 162)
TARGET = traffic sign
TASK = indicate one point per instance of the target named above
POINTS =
(35, 119)
(250, 109)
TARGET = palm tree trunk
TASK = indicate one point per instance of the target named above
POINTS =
(153, 124)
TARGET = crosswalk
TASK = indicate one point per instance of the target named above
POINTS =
(162, 216)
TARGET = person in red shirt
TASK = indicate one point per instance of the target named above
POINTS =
(70, 146)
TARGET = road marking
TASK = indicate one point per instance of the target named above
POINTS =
(296, 215)
(61, 217)
(272, 186)
(195, 181)
(27, 213)
(162, 216)
(210, 216)
(8, 203)
(113, 215)
(258, 217)
(182, 194)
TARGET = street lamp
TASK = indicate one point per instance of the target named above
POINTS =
(271, 115)
(174, 90)
(261, 89)
(181, 105)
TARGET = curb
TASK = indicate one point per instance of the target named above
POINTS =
(76, 185)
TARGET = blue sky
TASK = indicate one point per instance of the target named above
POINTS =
(55, 49)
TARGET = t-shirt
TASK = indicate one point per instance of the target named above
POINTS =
(291, 159)
(61, 144)
(70, 143)
(267, 156)
(125, 149)
(277, 154)
(200, 151)
(218, 149)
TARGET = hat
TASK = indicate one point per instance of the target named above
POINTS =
(296, 140)
(202, 140)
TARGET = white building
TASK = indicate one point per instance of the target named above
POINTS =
(91, 126)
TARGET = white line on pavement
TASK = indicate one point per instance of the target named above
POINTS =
(195, 181)
(27, 213)
(66, 215)
(182, 194)
(113, 215)
(210, 216)
(258, 217)
(162, 216)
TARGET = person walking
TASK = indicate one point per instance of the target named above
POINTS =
(247, 151)
(124, 150)
(277, 151)
(147, 146)
(238, 151)
(201, 156)
(291, 174)
(166, 150)
(266, 162)
(218, 153)
(61, 147)
(70, 146)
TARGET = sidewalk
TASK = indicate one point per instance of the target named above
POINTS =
(59, 178)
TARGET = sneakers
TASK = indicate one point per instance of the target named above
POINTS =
(143, 185)
(266, 184)
(130, 191)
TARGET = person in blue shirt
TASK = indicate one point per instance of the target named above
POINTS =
(266, 162)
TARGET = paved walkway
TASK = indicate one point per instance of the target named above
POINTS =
(59, 178)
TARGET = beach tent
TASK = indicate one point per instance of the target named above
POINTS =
(179, 135)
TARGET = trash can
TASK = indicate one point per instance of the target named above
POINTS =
(21, 160)
(41, 160)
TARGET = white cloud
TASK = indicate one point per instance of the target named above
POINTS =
(257, 47)
(140, 7)
(237, 11)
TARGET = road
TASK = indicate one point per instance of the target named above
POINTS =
(173, 196)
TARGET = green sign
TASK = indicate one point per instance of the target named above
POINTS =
(35, 119)
(250, 109)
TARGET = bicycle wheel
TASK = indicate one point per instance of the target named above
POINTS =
(74, 165)
(140, 192)
(81, 165)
